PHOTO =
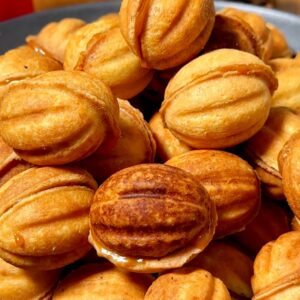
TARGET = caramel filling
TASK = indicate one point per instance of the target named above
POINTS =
(152, 265)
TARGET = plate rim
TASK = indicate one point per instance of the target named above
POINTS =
(77, 7)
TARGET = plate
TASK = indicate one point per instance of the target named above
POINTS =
(13, 32)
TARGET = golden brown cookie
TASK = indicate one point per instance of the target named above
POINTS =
(168, 145)
(228, 263)
(44, 217)
(276, 269)
(104, 53)
(166, 34)
(243, 31)
(135, 146)
(281, 64)
(59, 117)
(102, 282)
(79, 40)
(263, 148)
(280, 46)
(288, 92)
(207, 105)
(231, 183)
(188, 284)
(289, 160)
(53, 37)
(22, 63)
(151, 217)
(19, 284)
(109, 58)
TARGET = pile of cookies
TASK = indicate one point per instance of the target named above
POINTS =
(202, 202)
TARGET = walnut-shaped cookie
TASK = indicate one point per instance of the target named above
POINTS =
(151, 217)
(271, 222)
(59, 117)
(276, 269)
(166, 34)
(260, 29)
(289, 161)
(135, 146)
(22, 63)
(262, 149)
(187, 283)
(231, 183)
(53, 37)
(243, 31)
(107, 56)
(102, 282)
(219, 100)
(280, 47)
(228, 263)
(288, 75)
(284, 63)
(44, 217)
(19, 284)
(168, 145)
(78, 42)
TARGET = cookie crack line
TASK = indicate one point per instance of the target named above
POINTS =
(247, 70)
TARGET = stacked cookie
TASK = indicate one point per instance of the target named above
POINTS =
(95, 203)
